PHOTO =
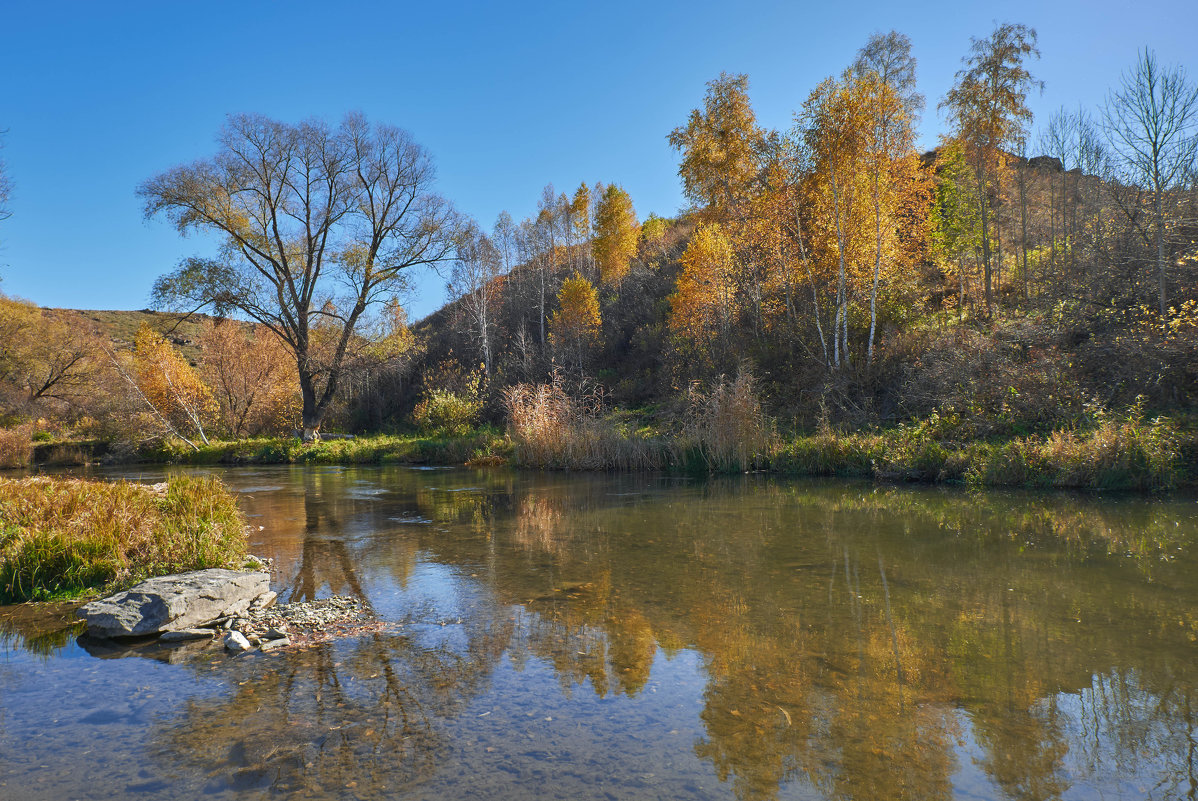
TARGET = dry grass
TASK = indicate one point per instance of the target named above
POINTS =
(62, 537)
(16, 446)
(551, 429)
(726, 427)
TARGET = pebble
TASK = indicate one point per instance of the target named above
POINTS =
(278, 626)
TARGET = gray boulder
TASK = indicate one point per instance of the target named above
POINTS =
(173, 603)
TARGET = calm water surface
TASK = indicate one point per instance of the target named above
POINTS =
(581, 637)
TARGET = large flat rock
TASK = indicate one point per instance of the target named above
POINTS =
(171, 603)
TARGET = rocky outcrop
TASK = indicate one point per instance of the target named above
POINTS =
(173, 603)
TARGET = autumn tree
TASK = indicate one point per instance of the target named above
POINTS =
(251, 375)
(474, 285)
(1152, 122)
(318, 226)
(48, 359)
(987, 108)
(654, 231)
(545, 240)
(616, 235)
(703, 306)
(720, 146)
(583, 222)
(170, 385)
(887, 56)
(574, 327)
(833, 129)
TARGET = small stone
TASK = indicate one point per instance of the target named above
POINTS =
(186, 634)
(236, 642)
(281, 642)
(275, 632)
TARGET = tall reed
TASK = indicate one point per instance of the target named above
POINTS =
(726, 428)
(16, 446)
(550, 428)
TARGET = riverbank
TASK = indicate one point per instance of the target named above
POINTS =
(1127, 454)
(62, 538)
(1122, 454)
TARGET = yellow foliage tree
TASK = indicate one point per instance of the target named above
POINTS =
(702, 308)
(574, 327)
(170, 385)
(720, 147)
(616, 235)
(653, 234)
(252, 376)
(48, 359)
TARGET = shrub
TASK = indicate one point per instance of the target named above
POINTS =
(552, 429)
(444, 411)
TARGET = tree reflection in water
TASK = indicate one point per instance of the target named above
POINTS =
(357, 713)
(857, 643)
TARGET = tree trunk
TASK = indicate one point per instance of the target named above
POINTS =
(1160, 248)
(312, 414)
(987, 268)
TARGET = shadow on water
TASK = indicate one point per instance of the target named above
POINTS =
(555, 636)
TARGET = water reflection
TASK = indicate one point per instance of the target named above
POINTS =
(558, 636)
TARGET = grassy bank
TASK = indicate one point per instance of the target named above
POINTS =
(484, 445)
(1106, 453)
(1114, 455)
(63, 537)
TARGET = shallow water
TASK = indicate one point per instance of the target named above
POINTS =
(584, 637)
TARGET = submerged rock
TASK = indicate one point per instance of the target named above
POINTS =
(172, 603)
(186, 634)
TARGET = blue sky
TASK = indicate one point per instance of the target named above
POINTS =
(97, 97)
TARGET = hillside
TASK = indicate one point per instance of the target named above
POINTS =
(120, 327)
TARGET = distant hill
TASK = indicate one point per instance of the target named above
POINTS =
(120, 327)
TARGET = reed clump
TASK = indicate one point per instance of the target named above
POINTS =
(64, 537)
(16, 446)
(552, 428)
(725, 429)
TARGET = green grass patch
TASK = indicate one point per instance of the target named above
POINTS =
(486, 444)
(1127, 454)
(62, 538)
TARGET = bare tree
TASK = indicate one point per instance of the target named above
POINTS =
(473, 284)
(5, 187)
(318, 226)
(1151, 120)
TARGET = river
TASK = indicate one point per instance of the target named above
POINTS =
(555, 636)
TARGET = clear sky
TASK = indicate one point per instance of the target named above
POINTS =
(99, 96)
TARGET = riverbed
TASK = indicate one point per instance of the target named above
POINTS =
(556, 636)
